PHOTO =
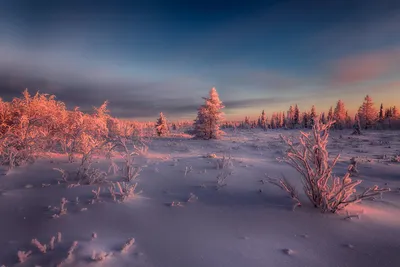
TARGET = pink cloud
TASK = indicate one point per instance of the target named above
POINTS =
(366, 67)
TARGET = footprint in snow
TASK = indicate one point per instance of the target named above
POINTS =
(288, 251)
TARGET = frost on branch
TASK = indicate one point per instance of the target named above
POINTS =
(127, 245)
(123, 191)
(41, 247)
(310, 158)
(120, 144)
(286, 186)
(23, 256)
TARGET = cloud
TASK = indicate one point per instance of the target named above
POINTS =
(365, 67)
(263, 79)
(254, 102)
(134, 95)
(127, 99)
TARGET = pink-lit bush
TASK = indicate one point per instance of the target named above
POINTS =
(325, 190)
(33, 125)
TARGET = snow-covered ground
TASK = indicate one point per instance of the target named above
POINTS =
(248, 222)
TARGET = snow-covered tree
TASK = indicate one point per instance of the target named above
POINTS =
(280, 120)
(367, 113)
(201, 123)
(162, 128)
(391, 114)
(273, 121)
(322, 118)
(247, 120)
(313, 116)
(395, 112)
(357, 125)
(246, 123)
(339, 115)
(348, 122)
(263, 120)
(284, 120)
(296, 116)
(388, 113)
(209, 117)
(381, 115)
(289, 117)
(305, 120)
(330, 114)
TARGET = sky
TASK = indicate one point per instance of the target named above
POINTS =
(153, 56)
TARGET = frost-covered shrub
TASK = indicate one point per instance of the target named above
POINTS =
(325, 190)
(120, 145)
(28, 126)
(33, 125)
(286, 186)
(23, 256)
(85, 132)
(395, 158)
(223, 176)
(122, 128)
(122, 191)
(224, 163)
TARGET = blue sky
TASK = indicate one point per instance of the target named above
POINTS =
(151, 56)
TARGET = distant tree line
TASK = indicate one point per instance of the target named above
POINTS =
(367, 116)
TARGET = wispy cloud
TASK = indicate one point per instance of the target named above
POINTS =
(263, 79)
(128, 99)
(253, 102)
(131, 100)
(365, 67)
(136, 95)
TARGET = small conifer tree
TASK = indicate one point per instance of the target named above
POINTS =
(273, 121)
(381, 115)
(209, 117)
(296, 116)
(305, 122)
(284, 121)
(247, 122)
(395, 112)
(330, 114)
(322, 118)
(339, 115)
(357, 125)
(263, 120)
(367, 113)
(313, 116)
(348, 121)
(162, 126)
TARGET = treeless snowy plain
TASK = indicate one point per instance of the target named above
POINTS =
(183, 218)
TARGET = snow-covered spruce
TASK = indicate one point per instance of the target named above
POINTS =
(367, 113)
(339, 115)
(162, 128)
(209, 117)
